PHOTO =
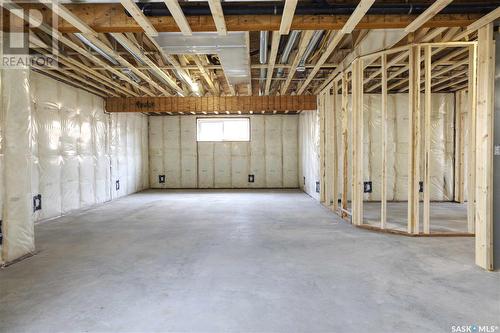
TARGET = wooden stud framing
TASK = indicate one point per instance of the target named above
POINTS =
(414, 141)
(484, 147)
(427, 138)
(460, 101)
(345, 143)
(322, 150)
(357, 139)
(383, 192)
(471, 159)
(334, 143)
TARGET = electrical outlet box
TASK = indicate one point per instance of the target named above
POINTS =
(251, 178)
(117, 185)
(161, 179)
(367, 187)
(317, 187)
(37, 202)
(421, 187)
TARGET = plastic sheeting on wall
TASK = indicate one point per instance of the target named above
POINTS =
(271, 155)
(309, 152)
(442, 150)
(80, 152)
(16, 165)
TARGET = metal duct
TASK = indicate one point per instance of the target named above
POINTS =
(290, 43)
(108, 57)
(95, 48)
(318, 34)
(232, 50)
(263, 59)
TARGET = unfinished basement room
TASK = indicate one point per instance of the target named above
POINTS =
(250, 166)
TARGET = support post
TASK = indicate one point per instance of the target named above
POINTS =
(357, 136)
(458, 195)
(322, 100)
(471, 162)
(383, 192)
(427, 139)
(414, 141)
(345, 143)
(333, 143)
(484, 147)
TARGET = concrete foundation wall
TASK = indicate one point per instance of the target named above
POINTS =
(271, 155)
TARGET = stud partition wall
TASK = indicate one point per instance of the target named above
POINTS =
(412, 142)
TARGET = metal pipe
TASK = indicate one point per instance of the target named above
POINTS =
(323, 8)
(318, 34)
(290, 43)
(263, 59)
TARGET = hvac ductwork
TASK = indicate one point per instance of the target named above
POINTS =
(290, 43)
(318, 34)
(108, 57)
(263, 59)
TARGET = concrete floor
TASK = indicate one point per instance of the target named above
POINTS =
(239, 261)
(444, 216)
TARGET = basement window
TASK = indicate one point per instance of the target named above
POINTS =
(223, 129)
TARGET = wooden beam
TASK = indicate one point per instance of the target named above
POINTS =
(212, 104)
(218, 16)
(287, 16)
(139, 17)
(484, 147)
(351, 23)
(110, 17)
(430, 12)
(178, 15)
(275, 42)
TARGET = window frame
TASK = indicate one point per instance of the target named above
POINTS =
(224, 118)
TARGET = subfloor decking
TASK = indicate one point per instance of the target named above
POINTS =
(445, 217)
(239, 261)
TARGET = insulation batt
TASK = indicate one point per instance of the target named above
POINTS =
(442, 147)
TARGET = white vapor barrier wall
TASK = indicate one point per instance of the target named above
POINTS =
(442, 147)
(16, 165)
(309, 152)
(271, 155)
(80, 152)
